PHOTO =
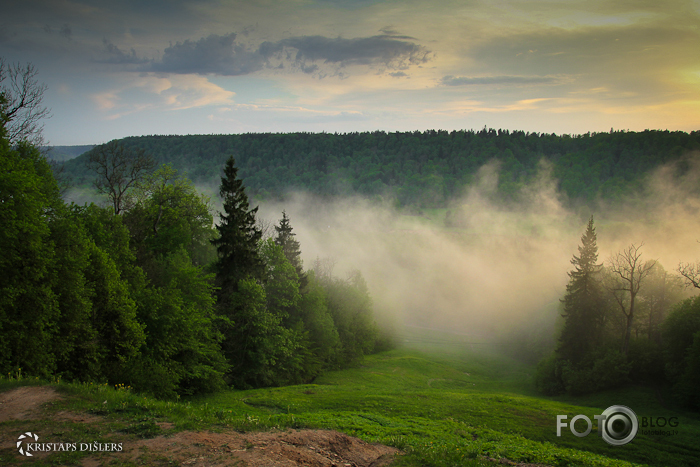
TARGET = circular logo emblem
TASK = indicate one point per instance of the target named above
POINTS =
(620, 426)
(29, 436)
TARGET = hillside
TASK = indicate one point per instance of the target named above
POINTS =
(66, 153)
(419, 169)
(441, 404)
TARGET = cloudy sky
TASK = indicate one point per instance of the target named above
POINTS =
(117, 68)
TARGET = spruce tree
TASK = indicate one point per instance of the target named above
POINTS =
(290, 247)
(237, 243)
(238, 264)
(583, 307)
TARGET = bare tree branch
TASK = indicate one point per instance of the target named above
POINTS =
(21, 109)
(691, 273)
(626, 274)
(265, 226)
(118, 171)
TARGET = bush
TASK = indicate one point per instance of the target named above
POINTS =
(688, 387)
(646, 359)
(678, 335)
(604, 369)
(548, 376)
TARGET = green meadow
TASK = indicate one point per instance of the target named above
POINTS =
(442, 401)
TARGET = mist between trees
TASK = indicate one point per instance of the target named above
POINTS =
(147, 293)
(493, 269)
(496, 271)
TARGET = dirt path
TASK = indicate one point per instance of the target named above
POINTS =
(291, 448)
(25, 403)
(313, 448)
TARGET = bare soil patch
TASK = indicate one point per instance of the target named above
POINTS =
(313, 448)
(25, 403)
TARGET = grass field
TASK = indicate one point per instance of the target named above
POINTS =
(443, 403)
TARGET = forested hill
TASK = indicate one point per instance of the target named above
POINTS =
(420, 169)
(64, 153)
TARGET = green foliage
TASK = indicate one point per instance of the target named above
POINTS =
(322, 333)
(603, 369)
(237, 243)
(548, 376)
(681, 337)
(253, 337)
(285, 238)
(417, 170)
(281, 282)
(646, 358)
(170, 214)
(182, 353)
(113, 315)
(75, 342)
(92, 295)
(688, 387)
(350, 306)
(28, 308)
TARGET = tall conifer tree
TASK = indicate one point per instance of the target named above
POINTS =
(290, 247)
(237, 244)
(239, 270)
(583, 307)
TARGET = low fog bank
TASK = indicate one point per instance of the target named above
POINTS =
(503, 267)
(485, 268)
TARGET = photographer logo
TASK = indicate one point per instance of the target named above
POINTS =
(27, 443)
(617, 425)
(20, 441)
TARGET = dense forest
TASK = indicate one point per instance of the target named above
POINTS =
(418, 169)
(149, 293)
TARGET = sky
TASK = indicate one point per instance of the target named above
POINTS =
(122, 68)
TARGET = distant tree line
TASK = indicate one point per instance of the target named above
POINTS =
(149, 293)
(416, 170)
(625, 320)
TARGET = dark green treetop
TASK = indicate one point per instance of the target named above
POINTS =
(583, 309)
(237, 243)
(290, 247)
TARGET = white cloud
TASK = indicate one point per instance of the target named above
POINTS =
(157, 92)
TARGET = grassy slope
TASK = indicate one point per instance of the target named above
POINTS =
(443, 405)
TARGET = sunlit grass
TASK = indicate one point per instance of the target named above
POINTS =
(452, 407)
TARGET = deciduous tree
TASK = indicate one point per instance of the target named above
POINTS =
(627, 271)
(119, 170)
(21, 109)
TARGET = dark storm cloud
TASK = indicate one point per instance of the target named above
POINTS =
(222, 55)
(214, 54)
(114, 55)
(383, 49)
(469, 81)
